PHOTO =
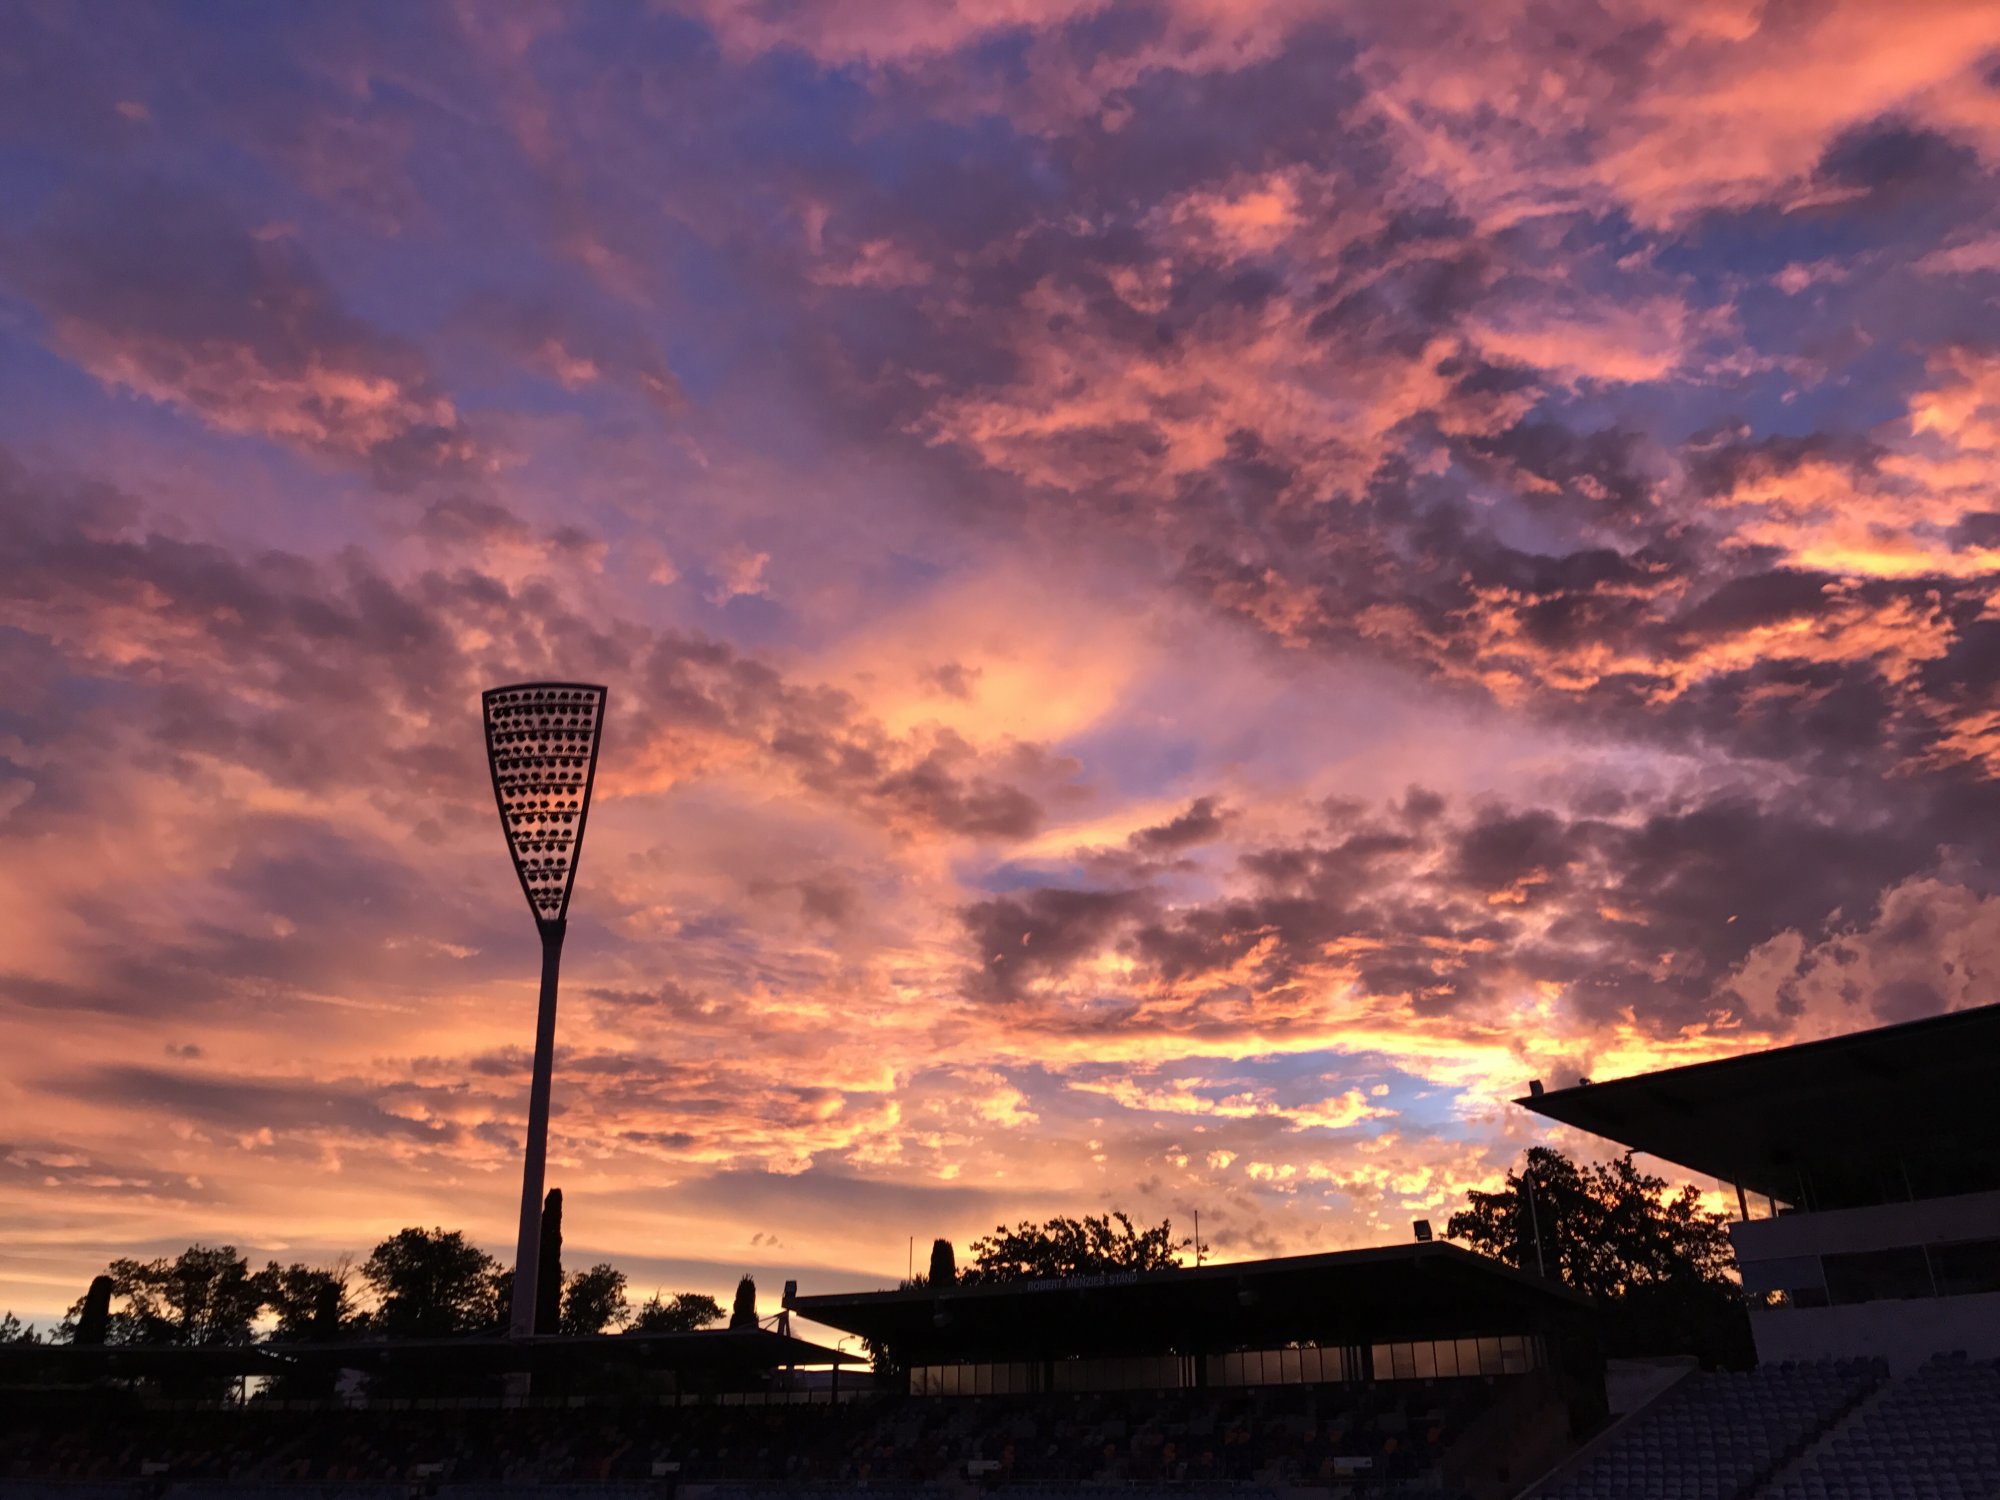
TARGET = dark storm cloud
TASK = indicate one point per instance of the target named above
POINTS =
(1042, 934)
(248, 1105)
(1623, 909)
(1203, 821)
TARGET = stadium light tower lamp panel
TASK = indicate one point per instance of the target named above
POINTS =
(541, 746)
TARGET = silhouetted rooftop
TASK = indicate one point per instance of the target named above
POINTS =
(1915, 1099)
(1384, 1293)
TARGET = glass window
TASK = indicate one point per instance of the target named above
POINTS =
(1513, 1355)
(1782, 1274)
(1877, 1275)
(1403, 1360)
(1383, 1366)
(1468, 1356)
(1968, 1267)
(1426, 1359)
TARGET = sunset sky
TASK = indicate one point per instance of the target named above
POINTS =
(1192, 593)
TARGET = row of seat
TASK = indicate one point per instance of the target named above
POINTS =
(1933, 1435)
(1720, 1436)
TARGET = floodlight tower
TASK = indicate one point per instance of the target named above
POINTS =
(541, 746)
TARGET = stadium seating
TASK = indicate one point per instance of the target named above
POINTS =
(1247, 1439)
(1722, 1436)
(1933, 1435)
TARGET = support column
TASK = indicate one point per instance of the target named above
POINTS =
(527, 1248)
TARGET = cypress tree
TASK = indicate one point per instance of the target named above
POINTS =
(744, 1313)
(95, 1322)
(548, 1270)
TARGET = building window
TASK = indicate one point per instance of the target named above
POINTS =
(1967, 1267)
(987, 1379)
(1305, 1364)
(1877, 1275)
(1428, 1359)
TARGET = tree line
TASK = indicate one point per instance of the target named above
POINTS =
(1058, 1248)
(417, 1283)
(1658, 1266)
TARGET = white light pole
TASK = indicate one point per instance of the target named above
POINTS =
(541, 746)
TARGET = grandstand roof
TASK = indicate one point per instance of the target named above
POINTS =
(1912, 1090)
(1414, 1291)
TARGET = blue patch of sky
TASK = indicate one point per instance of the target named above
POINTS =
(1139, 757)
(1025, 875)
(40, 391)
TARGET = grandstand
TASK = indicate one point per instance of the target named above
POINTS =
(1387, 1313)
(1873, 1270)
(1877, 1159)
(1400, 1370)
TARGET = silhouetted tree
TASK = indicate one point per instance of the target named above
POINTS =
(594, 1300)
(431, 1283)
(684, 1312)
(11, 1331)
(1659, 1266)
(1073, 1247)
(548, 1267)
(310, 1302)
(743, 1313)
(89, 1322)
(203, 1296)
(944, 1266)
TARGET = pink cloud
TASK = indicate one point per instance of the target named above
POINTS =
(182, 307)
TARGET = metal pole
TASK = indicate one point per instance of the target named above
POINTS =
(528, 1250)
(1535, 1219)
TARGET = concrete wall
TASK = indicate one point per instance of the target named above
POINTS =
(1928, 1221)
(1632, 1383)
(1905, 1332)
